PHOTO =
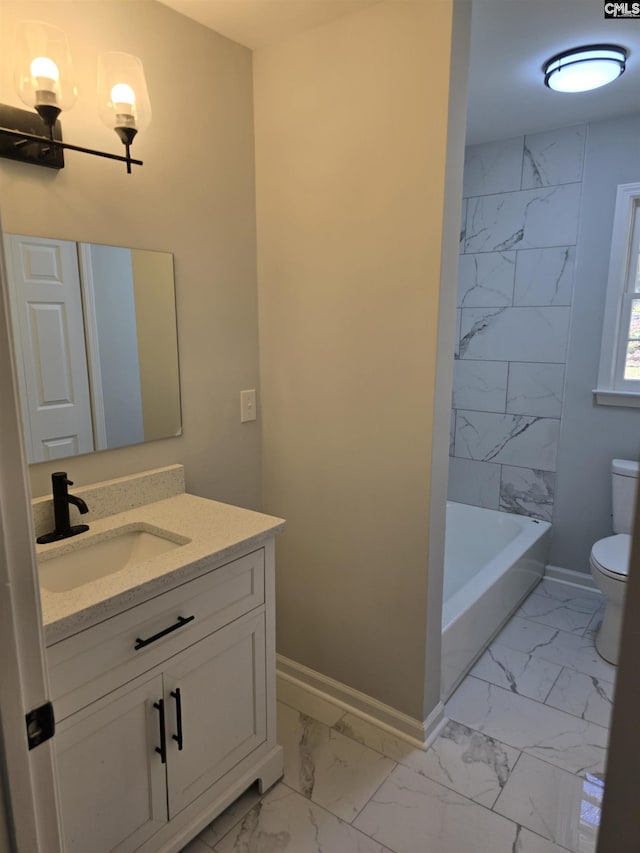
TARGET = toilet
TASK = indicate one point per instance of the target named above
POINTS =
(610, 557)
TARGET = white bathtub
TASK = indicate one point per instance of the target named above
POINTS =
(492, 561)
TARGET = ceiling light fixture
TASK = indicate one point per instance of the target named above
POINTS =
(44, 80)
(585, 68)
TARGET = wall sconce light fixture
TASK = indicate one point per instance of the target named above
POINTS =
(44, 80)
(585, 68)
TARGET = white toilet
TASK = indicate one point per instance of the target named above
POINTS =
(610, 557)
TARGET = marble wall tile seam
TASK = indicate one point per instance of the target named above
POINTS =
(519, 334)
(511, 439)
(534, 389)
(475, 357)
(535, 159)
(508, 488)
(521, 189)
(502, 465)
(544, 217)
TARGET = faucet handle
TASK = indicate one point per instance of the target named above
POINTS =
(61, 476)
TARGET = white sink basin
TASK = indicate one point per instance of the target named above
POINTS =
(103, 555)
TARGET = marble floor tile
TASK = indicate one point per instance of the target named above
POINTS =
(467, 761)
(553, 803)
(583, 696)
(325, 766)
(523, 635)
(596, 621)
(410, 813)
(517, 671)
(529, 842)
(560, 647)
(230, 817)
(577, 653)
(555, 614)
(547, 733)
(285, 822)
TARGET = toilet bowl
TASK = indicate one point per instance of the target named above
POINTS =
(609, 559)
(609, 566)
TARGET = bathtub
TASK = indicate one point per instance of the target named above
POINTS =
(492, 561)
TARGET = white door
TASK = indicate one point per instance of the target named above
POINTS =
(29, 775)
(48, 323)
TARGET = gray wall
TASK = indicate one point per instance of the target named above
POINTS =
(592, 435)
(527, 435)
(351, 148)
(193, 199)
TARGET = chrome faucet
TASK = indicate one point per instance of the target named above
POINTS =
(61, 500)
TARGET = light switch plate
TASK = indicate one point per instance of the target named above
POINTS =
(248, 406)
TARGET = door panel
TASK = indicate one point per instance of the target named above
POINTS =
(48, 323)
(222, 694)
(112, 782)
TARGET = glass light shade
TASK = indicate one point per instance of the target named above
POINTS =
(123, 99)
(585, 68)
(43, 70)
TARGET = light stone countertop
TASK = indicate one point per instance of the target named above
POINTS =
(218, 532)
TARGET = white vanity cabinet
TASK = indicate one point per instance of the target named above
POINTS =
(166, 711)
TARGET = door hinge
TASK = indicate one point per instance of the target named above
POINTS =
(41, 725)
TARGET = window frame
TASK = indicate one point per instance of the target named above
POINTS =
(612, 388)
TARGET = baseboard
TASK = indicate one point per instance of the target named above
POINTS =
(419, 733)
(570, 577)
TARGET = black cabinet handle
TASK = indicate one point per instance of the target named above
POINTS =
(182, 620)
(177, 696)
(162, 749)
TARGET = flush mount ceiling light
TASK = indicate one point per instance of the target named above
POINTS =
(44, 80)
(585, 68)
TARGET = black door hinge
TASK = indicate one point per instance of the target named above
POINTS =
(41, 725)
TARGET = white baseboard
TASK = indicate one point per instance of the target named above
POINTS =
(419, 733)
(570, 577)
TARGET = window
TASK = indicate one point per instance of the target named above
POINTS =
(619, 373)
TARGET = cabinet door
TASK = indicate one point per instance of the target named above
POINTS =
(112, 782)
(222, 697)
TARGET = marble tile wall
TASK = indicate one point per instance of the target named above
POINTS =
(517, 261)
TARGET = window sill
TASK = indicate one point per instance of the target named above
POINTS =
(606, 397)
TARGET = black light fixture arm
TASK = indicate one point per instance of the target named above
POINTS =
(54, 143)
(26, 137)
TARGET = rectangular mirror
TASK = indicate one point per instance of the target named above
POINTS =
(96, 345)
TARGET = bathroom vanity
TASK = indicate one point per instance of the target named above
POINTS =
(162, 672)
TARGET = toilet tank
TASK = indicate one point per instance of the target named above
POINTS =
(624, 481)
